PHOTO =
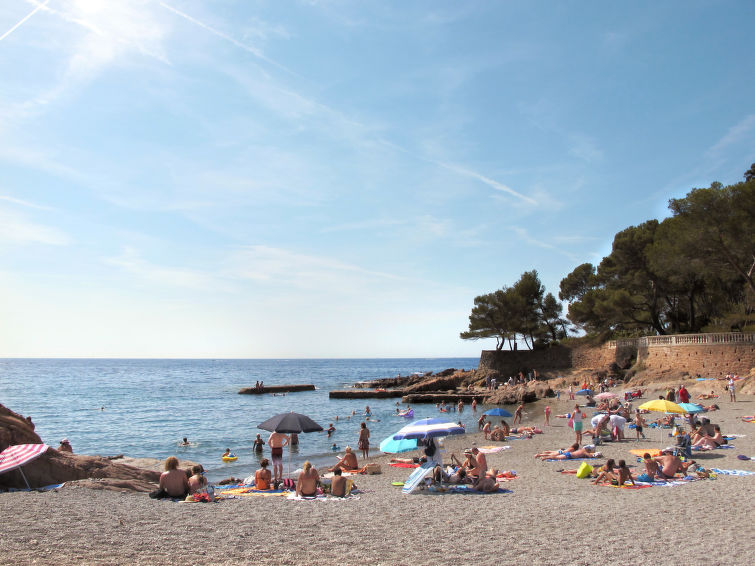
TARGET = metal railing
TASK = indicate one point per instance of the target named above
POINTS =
(684, 340)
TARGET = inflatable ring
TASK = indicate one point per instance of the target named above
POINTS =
(230, 458)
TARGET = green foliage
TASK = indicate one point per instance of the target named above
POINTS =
(522, 310)
(691, 271)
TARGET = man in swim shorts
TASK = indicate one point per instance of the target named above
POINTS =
(276, 442)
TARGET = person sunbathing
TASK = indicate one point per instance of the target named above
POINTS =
(670, 464)
(606, 472)
(526, 430)
(487, 483)
(497, 435)
(348, 463)
(651, 467)
(306, 485)
(263, 476)
(414, 460)
(710, 442)
(708, 408)
(198, 481)
(573, 452)
(710, 395)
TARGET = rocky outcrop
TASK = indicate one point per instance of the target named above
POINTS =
(447, 380)
(55, 467)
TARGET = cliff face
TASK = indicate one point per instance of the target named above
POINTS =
(55, 467)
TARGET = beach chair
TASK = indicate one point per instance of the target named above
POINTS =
(683, 446)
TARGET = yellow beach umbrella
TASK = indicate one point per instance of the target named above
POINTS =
(662, 406)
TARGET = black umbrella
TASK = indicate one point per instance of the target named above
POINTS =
(290, 422)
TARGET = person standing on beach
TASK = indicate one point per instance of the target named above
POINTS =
(571, 393)
(547, 415)
(364, 440)
(518, 414)
(277, 441)
(576, 419)
(732, 390)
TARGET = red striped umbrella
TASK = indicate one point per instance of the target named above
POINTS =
(16, 456)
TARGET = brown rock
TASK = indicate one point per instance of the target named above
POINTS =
(55, 467)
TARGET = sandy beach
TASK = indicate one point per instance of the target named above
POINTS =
(550, 518)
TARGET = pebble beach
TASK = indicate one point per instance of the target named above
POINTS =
(548, 518)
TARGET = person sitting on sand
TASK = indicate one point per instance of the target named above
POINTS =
(573, 452)
(478, 461)
(710, 442)
(306, 485)
(625, 475)
(670, 464)
(263, 476)
(174, 481)
(197, 481)
(497, 435)
(606, 472)
(469, 463)
(505, 428)
(487, 482)
(651, 467)
(338, 484)
(65, 446)
(348, 463)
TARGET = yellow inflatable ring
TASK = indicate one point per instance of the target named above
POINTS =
(230, 458)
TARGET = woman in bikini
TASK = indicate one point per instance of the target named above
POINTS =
(262, 476)
(573, 452)
(306, 485)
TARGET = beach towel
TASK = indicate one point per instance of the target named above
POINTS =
(403, 465)
(462, 489)
(493, 449)
(640, 452)
(732, 472)
(291, 496)
(246, 491)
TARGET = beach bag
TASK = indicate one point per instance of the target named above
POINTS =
(644, 477)
(372, 468)
(584, 470)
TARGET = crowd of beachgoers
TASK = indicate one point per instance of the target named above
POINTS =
(664, 467)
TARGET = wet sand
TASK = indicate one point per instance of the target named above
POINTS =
(550, 518)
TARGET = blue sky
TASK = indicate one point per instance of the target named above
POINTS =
(339, 179)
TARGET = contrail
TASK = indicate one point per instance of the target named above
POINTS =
(29, 15)
(253, 50)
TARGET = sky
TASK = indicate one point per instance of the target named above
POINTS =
(331, 179)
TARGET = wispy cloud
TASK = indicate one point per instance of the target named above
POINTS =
(16, 228)
(488, 181)
(525, 236)
(246, 47)
(733, 136)
(284, 267)
(24, 203)
(21, 22)
(131, 261)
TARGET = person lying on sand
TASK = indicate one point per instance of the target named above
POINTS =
(348, 463)
(415, 460)
(710, 395)
(573, 452)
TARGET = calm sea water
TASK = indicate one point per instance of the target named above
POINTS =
(143, 408)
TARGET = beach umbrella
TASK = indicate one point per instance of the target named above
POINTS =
(428, 428)
(497, 412)
(662, 406)
(290, 422)
(391, 446)
(584, 392)
(606, 395)
(691, 408)
(16, 456)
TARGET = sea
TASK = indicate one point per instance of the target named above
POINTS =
(144, 408)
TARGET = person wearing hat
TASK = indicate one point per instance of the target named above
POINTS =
(65, 446)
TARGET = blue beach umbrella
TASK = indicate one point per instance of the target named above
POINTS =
(391, 446)
(690, 408)
(584, 392)
(497, 412)
(428, 428)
